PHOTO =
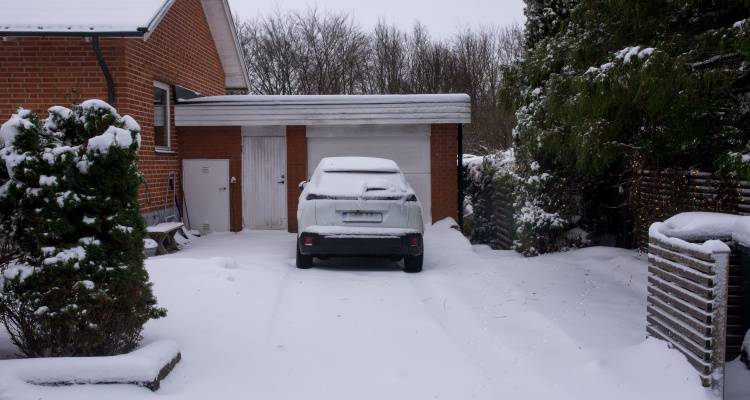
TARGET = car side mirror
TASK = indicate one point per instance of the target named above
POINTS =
(302, 185)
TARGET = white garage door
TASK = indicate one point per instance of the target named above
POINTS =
(407, 145)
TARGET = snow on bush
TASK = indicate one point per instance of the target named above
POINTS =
(76, 284)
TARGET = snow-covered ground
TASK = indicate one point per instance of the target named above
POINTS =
(475, 324)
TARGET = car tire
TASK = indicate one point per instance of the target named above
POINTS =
(303, 261)
(413, 264)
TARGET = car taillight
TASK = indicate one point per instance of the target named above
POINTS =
(307, 241)
(413, 241)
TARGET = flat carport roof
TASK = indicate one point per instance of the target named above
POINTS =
(254, 110)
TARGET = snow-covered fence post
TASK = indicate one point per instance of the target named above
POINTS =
(719, 326)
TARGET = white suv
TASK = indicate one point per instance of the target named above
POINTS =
(359, 206)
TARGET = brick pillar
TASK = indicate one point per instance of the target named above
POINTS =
(443, 168)
(296, 170)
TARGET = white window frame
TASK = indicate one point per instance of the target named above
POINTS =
(168, 122)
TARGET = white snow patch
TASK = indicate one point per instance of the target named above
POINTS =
(474, 324)
(45, 180)
(83, 16)
(83, 166)
(113, 136)
(41, 310)
(87, 284)
(627, 53)
(123, 228)
(142, 365)
(76, 253)
(362, 164)
(130, 123)
(88, 220)
(697, 226)
(9, 129)
(89, 241)
(645, 52)
(16, 270)
(96, 104)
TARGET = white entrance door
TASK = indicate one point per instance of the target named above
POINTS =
(264, 182)
(206, 187)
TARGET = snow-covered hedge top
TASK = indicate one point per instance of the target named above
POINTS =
(699, 226)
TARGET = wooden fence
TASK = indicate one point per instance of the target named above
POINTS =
(694, 302)
(491, 196)
(658, 195)
(502, 201)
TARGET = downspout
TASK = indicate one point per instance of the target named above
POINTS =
(460, 177)
(105, 70)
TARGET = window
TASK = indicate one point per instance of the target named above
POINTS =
(161, 117)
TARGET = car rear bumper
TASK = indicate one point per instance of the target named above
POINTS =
(331, 245)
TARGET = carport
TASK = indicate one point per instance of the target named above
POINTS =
(243, 156)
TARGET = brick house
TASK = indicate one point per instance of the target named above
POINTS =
(153, 51)
(227, 162)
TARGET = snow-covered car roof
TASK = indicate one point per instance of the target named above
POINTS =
(357, 164)
(84, 16)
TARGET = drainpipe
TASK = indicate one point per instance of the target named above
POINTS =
(105, 70)
(460, 177)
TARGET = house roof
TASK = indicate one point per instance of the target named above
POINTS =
(251, 110)
(126, 18)
(122, 18)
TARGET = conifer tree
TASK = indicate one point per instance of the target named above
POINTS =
(69, 206)
(608, 87)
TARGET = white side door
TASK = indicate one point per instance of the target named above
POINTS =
(264, 182)
(205, 184)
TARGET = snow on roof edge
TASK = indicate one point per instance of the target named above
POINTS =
(102, 25)
(333, 99)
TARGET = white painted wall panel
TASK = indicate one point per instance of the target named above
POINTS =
(409, 150)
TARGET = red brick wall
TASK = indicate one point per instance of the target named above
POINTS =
(180, 51)
(444, 174)
(222, 142)
(37, 73)
(296, 170)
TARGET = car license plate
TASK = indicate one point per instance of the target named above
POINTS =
(362, 216)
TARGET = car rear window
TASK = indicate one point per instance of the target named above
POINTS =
(356, 181)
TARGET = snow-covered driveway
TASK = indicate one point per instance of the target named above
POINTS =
(475, 324)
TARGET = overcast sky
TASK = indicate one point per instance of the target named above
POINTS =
(442, 17)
